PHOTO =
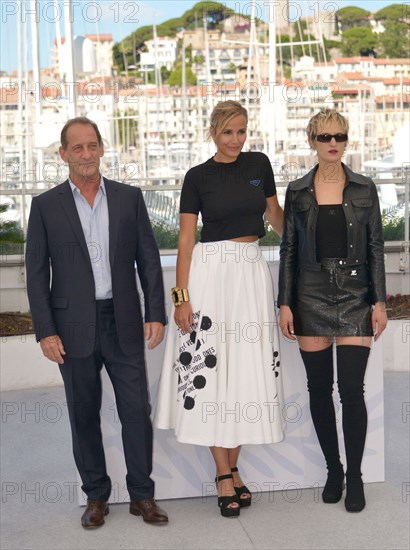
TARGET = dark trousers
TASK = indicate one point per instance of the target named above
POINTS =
(82, 382)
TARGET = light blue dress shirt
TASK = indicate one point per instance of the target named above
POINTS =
(95, 224)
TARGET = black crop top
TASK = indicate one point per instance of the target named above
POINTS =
(230, 196)
(331, 232)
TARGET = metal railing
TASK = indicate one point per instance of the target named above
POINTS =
(162, 199)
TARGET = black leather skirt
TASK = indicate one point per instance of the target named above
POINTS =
(333, 302)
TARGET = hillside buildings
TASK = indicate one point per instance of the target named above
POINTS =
(151, 125)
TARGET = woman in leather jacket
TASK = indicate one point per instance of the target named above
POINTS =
(332, 289)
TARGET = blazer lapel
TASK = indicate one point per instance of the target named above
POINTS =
(67, 201)
(113, 200)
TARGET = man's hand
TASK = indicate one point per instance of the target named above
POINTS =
(155, 333)
(52, 347)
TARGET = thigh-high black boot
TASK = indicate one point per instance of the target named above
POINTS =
(319, 371)
(351, 368)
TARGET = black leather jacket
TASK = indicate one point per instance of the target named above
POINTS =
(364, 232)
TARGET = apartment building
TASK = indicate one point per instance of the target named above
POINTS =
(162, 52)
(93, 56)
(373, 67)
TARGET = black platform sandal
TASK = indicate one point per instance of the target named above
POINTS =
(224, 502)
(243, 502)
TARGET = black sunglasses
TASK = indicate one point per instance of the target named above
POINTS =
(326, 138)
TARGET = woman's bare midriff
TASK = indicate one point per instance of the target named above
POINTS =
(245, 239)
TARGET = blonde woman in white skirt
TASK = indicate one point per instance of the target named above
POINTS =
(221, 384)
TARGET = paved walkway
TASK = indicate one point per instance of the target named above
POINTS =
(39, 509)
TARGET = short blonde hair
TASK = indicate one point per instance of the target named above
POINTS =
(323, 117)
(223, 113)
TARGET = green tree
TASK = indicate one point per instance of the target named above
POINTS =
(188, 52)
(297, 28)
(396, 12)
(286, 50)
(117, 56)
(165, 74)
(215, 13)
(329, 44)
(175, 78)
(199, 59)
(351, 16)
(358, 41)
(393, 223)
(395, 40)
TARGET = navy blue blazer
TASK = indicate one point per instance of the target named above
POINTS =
(60, 282)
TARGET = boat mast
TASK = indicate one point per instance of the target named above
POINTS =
(272, 78)
(184, 110)
(252, 34)
(35, 57)
(28, 158)
(20, 103)
(37, 82)
(208, 81)
(59, 50)
(160, 99)
(70, 82)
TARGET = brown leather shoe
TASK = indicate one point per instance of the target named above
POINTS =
(149, 510)
(94, 514)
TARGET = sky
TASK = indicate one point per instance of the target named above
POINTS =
(121, 17)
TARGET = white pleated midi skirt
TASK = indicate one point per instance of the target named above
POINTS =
(221, 384)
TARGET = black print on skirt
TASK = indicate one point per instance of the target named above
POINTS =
(275, 366)
(196, 360)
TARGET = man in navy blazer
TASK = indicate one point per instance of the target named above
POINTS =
(85, 240)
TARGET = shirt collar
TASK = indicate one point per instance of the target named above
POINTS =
(307, 181)
(75, 189)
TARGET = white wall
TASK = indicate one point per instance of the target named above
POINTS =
(13, 294)
(22, 364)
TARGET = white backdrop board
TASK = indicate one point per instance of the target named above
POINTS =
(182, 470)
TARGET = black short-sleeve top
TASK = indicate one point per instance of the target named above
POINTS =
(231, 197)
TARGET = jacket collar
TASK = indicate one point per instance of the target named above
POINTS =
(306, 181)
(68, 204)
